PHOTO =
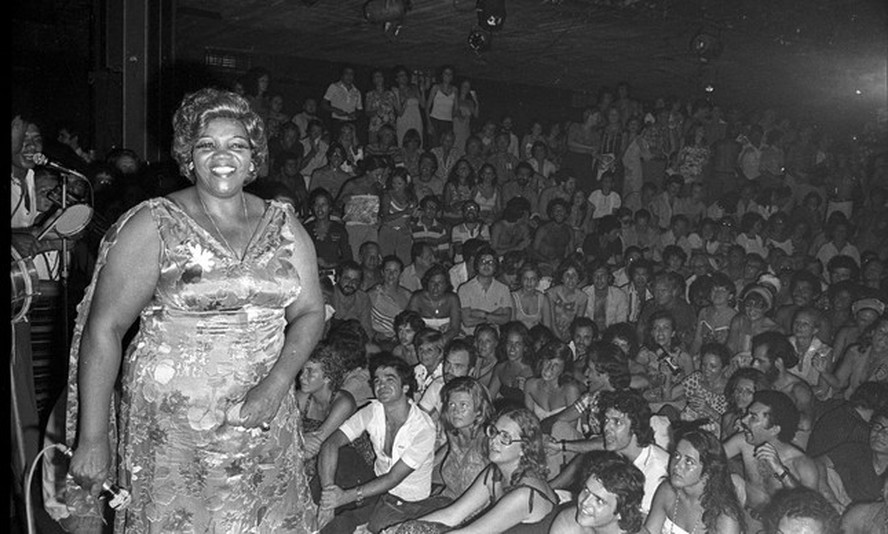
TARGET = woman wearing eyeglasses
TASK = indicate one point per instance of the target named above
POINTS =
(511, 496)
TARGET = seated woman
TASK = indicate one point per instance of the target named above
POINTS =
(487, 194)
(459, 188)
(756, 303)
(531, 306)
(330, 237)
(714, 321)
(510, 496)
(486, 339)
(436, 302)
(515, 355)
(550, 391)
(568, 301)
(387, 301)
(610, 501)
(406, 325)
(702, 393)
(741, 387)
(467, 410)
(323, 404)
(661, 360)
(699, 493)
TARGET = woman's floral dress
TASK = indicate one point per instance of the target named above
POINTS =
(213, 330)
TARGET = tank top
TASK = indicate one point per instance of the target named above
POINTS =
(442, 105)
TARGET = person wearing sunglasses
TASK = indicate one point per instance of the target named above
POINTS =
(512, 491)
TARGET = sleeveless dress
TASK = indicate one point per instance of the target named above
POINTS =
(528, 319)
(411, 119)
(213, 330)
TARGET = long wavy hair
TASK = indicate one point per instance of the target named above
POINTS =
(533, 453)
(198, 109)
(719, 496)
(481, 398)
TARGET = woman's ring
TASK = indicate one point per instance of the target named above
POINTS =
(265, 427)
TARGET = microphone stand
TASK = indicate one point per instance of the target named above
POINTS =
(64, 270)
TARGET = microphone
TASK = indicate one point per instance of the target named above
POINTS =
(40, 159)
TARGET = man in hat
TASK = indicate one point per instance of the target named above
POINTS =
(865, 312)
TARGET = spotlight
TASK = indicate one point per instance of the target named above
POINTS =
(479, 40)
(709, 88)
(491, 14)
(858, 92)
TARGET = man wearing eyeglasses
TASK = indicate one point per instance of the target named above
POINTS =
(862, 468)
(403, 438)
(484, 299)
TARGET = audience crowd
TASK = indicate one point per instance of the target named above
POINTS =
(662, 317)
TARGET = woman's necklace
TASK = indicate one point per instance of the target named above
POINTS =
(216, 227)
(674, 519)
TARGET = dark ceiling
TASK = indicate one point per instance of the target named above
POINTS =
(814, 53)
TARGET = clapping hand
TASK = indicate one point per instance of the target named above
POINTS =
(312, 445)
(768, 454)
(332, 497)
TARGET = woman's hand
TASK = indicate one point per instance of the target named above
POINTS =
(90, 464)
(261, 403)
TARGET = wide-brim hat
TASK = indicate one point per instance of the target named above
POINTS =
(868, 304)
(762, 291)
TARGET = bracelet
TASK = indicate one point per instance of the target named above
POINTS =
(783, 475)
(359, 495)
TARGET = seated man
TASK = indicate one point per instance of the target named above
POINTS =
(484, 299)
(403, 438)
(610, 501)
(512, 231)
(773, 355)
(669, 296)
(860, 468)
(850, 421)
(799, 511)
(349, 301)
(422, 256)
(625, 418)
(459, 360)
(770, 461)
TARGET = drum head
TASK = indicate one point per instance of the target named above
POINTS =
(73, 220)
(23, 280)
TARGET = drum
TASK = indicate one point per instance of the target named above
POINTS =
(23, 281)
(70, 222)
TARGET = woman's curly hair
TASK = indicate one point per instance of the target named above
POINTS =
(719, 496)
(198, 109)
(533, 453)
(332, 363)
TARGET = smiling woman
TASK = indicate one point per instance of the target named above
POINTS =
(226, 288)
